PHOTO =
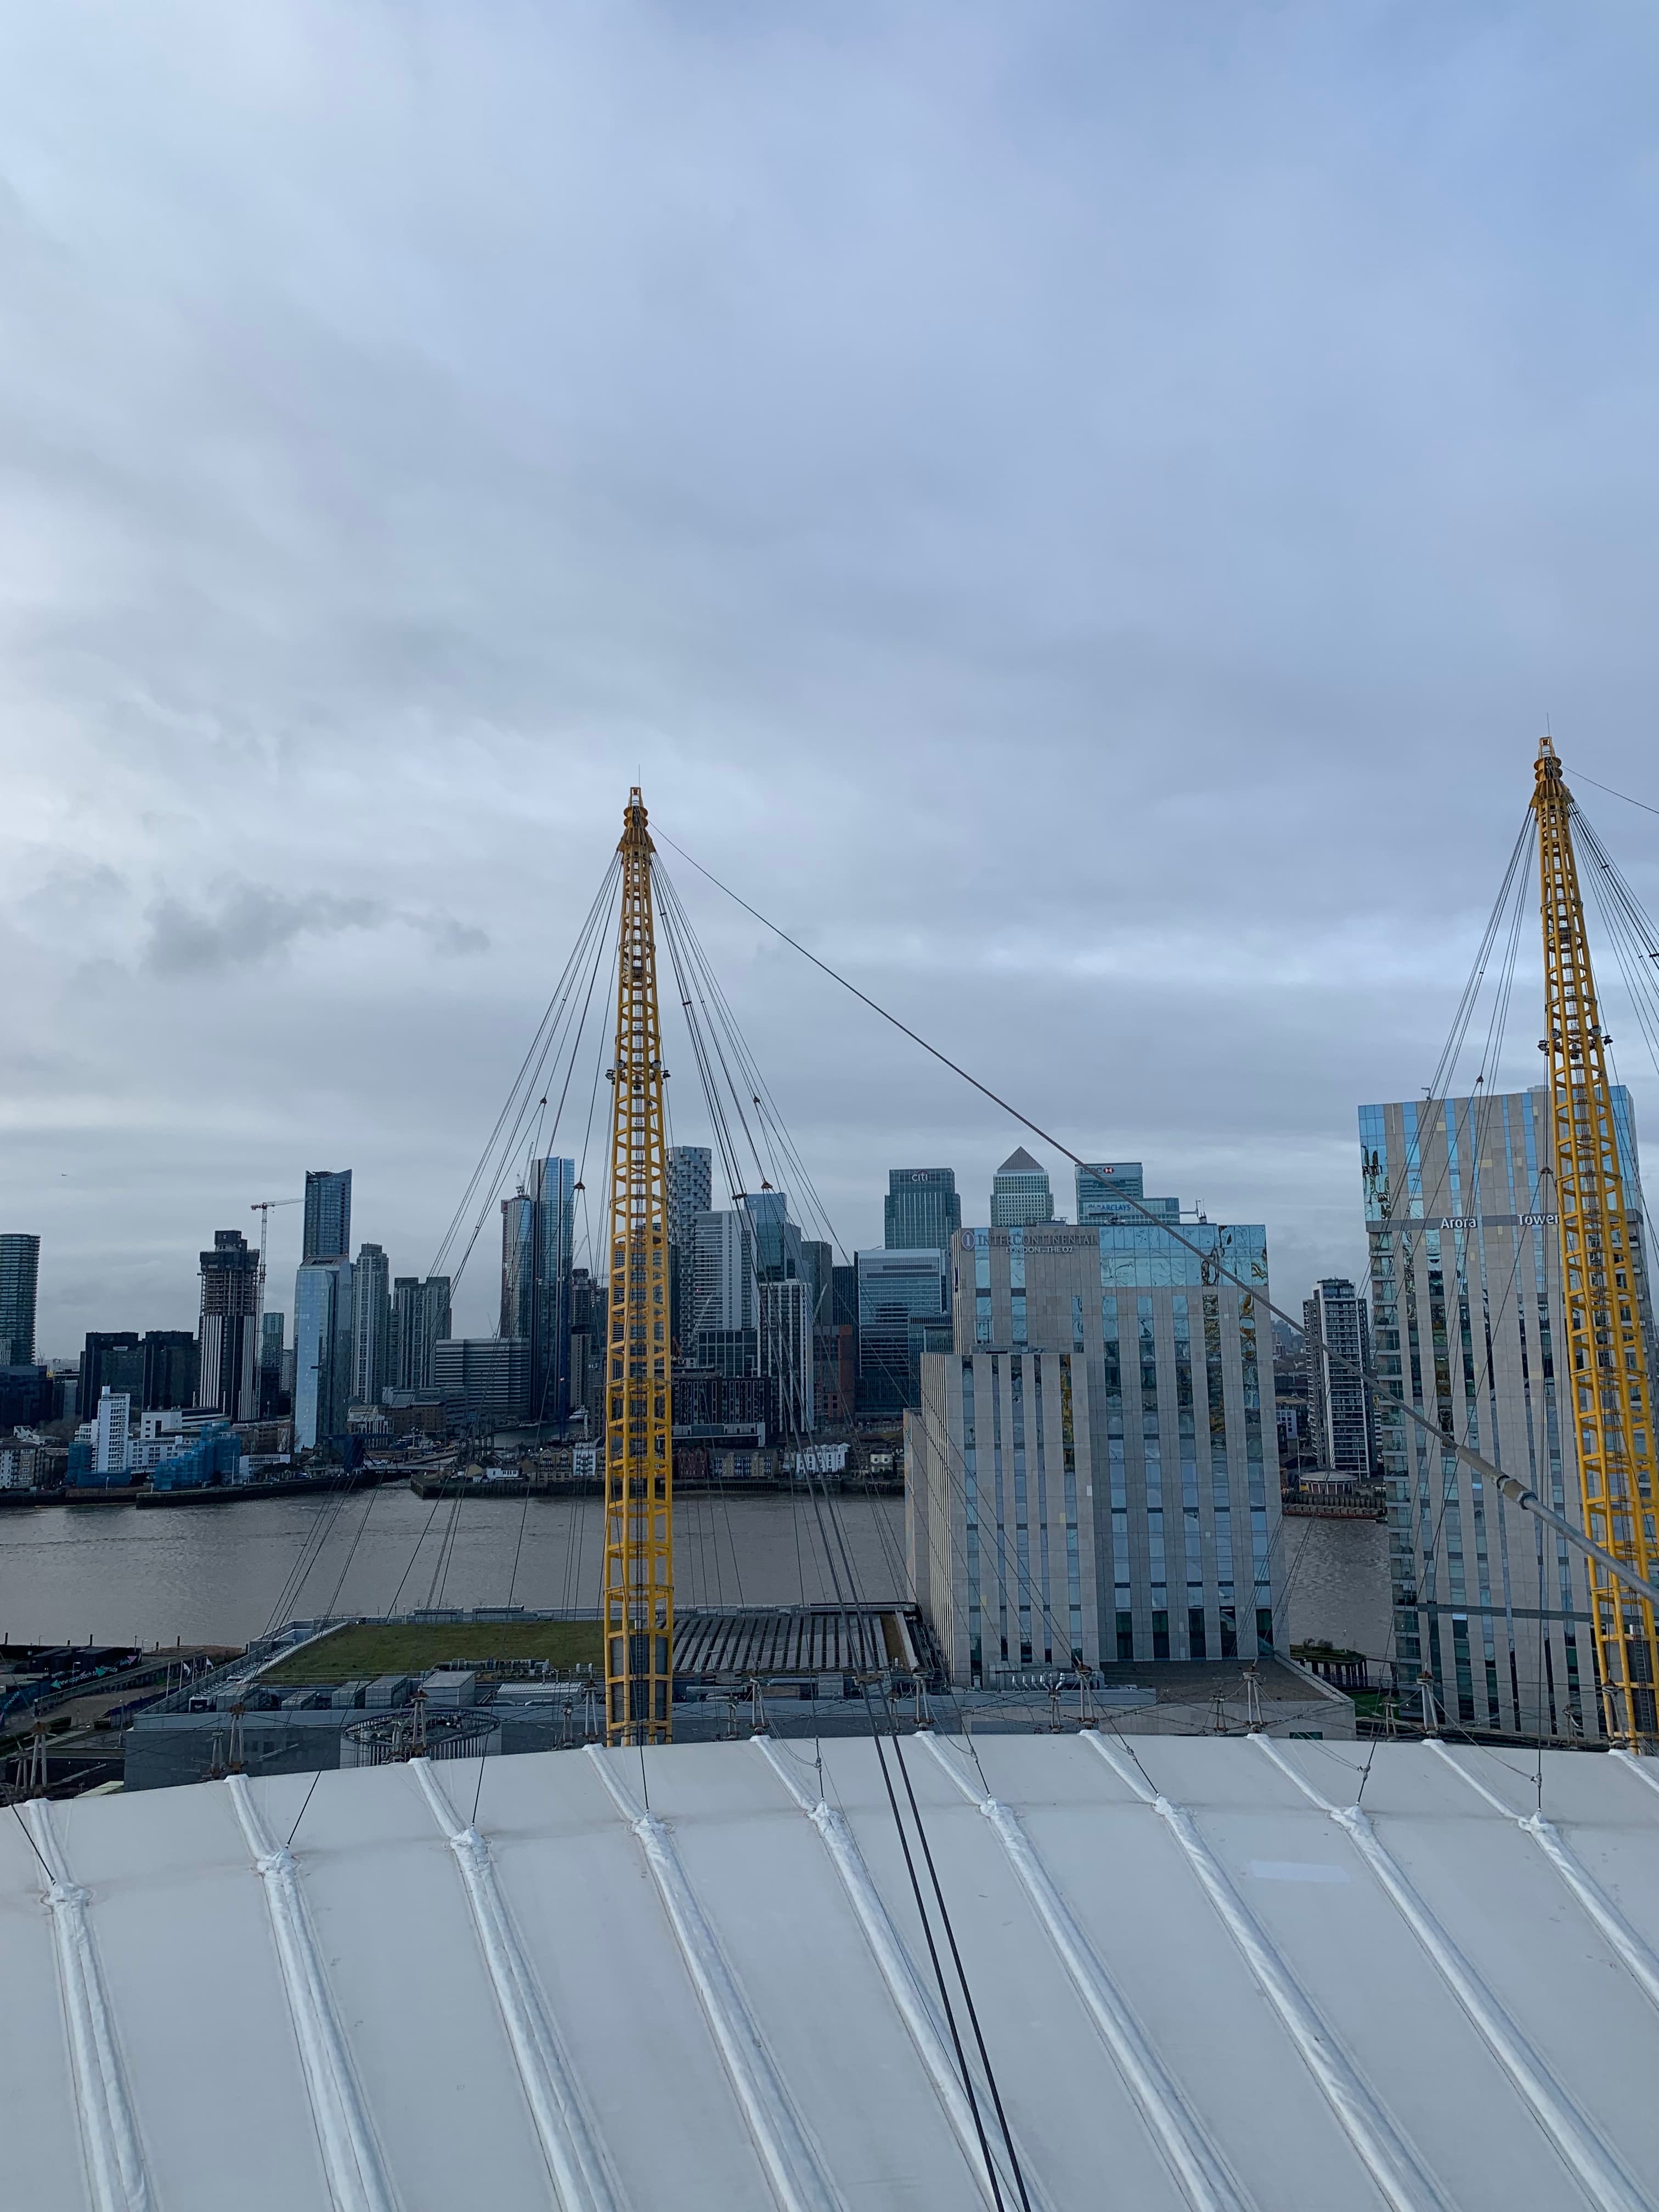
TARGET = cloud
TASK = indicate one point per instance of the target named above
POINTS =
(251, 923)
(1065, 508)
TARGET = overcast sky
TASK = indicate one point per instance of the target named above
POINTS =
(1080, 513)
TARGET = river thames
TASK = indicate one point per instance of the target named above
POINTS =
(223, 1574)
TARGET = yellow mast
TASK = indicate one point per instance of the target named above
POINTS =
(1602, 1386)
(638, 1474)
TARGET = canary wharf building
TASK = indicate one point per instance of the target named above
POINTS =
(1092, 1471)
(1466, 1285)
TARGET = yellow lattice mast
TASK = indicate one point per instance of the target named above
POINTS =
(639, 1474)
(1601, 1371)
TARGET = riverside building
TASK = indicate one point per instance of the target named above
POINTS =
(1466, 1290)
(1092, 1470)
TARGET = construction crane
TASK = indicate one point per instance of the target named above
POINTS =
(263, 1207)
(1602, 1383)
(638, 1474)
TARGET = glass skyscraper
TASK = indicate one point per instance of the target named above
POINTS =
(322, 1351)
(537, 1240)
(922, 1211)
(1465, 1312)
(896, 1290)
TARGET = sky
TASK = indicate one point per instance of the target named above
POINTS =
(1079, 512)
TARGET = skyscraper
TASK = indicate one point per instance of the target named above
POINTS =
(690, 1169)
(538, 1237)
(112, 1357)
(171, 1370)
(371, 1326)
(271, 1366)
(1466, 1303)
(230, 1307)
(322, 1351)
(1339, 1399)
(922, 1211)
(420, 1319)
(896, 1290)
(1105, 1188)
(19, 1271)
(328, 1215)
(1020, 1192)
(723, 1274)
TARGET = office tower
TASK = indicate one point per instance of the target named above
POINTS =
(484, 1380)
(1020, 1192)
(538, 1237)
(229, 1331)
(111, 1356)
(1091, 1475)
(420, 1319)
(371, 1326)
(322, 1351)
(777, 1240)
(20, 1273)
(1334, 1320)
(844, 1297)
(113, 1453)
(785, 1354)
(328, 1215)
(895, 1290)
(1105, 1186)
(171, 1370)
(922, 1211)
(270, 1367)
(1466, 1307)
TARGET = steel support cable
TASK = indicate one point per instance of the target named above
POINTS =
(844, 1586)
(1517, 1492)
(1465, 1005)
(847, 1604)
(766, 1105)
(522, 1092)
(556, 1050)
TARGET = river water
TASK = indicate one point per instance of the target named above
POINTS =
(222, 1574)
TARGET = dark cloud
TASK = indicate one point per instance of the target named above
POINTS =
(1080, 513)
(248, 923)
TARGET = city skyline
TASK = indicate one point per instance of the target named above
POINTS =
(1032, 642)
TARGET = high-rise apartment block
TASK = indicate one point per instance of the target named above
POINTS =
(1020, 1192)
(322, 1351)
(1091, 1471)
(922, 1211)
(1466, 1305)
(371, 1325)
(230, 1323)
(420, 1320)
(20, 1273)
(689, 1171)
(724, 1276)
(328, 1215)
(1337, 1348)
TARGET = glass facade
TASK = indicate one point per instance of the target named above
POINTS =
(922, 1211)
(1140, 1514)
(894, 1288)
(1465, 1280)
